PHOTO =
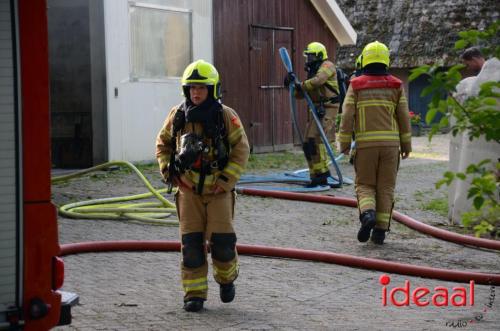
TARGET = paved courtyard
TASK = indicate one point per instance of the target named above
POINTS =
(141, 290)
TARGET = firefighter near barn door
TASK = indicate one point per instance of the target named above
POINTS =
(318, 152)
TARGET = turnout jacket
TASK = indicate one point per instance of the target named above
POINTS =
(376, 109)
(316, 86)
(237, 154)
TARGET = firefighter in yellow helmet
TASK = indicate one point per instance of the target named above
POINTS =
(202, 149)
(322, 86)
(375, 108)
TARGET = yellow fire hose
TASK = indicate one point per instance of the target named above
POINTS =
(114, 208)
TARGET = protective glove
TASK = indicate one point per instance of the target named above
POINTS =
(289, 78)
(298, 87)
(321, 112)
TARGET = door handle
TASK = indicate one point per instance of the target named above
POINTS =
(270, 86)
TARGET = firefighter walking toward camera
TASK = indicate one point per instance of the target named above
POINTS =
(202, 149)
(376, 110)
(322, 87)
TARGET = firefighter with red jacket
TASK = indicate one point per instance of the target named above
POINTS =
(322, 86)
(376, 109)
(202, 149)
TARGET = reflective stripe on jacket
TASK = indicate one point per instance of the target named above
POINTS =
(376, 110)
(317, 85)
(238, 153)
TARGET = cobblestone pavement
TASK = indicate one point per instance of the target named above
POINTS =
(141, 290)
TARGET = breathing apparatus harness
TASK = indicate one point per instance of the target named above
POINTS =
(312, 68)
(193, 151)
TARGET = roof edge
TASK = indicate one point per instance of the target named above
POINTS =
(336, 21)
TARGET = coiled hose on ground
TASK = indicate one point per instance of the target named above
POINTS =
(115, 208)
(328, 257)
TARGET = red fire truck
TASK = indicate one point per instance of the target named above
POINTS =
(30, 271)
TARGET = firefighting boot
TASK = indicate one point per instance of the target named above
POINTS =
(227, 292)
(367, 219)
(193, 304)
(378, 236)
(319, 180)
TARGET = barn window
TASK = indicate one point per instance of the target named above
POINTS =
(160, 41)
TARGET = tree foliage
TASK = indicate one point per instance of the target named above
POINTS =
(477, 116)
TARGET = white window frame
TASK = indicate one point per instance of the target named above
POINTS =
(164, 8)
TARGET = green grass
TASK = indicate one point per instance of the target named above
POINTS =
(439, 206)
(427, 155)
(420, 195)
(277, 160)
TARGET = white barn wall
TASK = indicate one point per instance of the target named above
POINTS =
(136, 115)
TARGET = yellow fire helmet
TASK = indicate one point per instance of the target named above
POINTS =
(375, 52)
(317, 49)
(201, 72)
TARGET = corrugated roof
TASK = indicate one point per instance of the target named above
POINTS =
(417, 32)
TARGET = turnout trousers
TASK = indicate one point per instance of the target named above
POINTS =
(314, 149)
(206, 223)
(376, 170)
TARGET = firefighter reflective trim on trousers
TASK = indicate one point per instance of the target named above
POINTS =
(230, 274)
(382, 217)
(406, 137)
(235, 135)
(319, 167)
(377, 136)
(233, 169)
(344, 137)
(322, 151)
(191, 285)
(363, 202)
(322, 165)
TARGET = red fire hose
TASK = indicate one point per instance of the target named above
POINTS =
(406, 220)
(321, 256)
(292, 253)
